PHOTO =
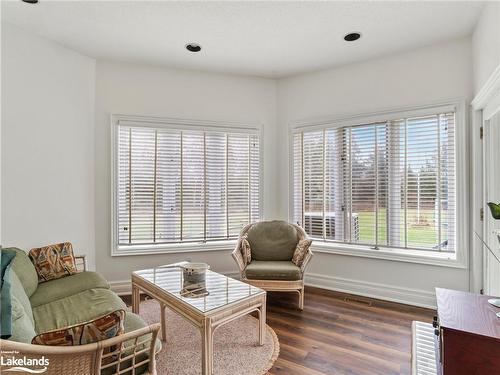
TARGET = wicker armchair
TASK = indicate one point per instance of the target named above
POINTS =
(272, 246)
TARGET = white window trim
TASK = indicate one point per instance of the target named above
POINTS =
(175, 123)
(458, 105)
(175, 248)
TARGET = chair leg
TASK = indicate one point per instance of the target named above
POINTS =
(301, 298)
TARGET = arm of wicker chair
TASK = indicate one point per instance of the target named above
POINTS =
(309, 254)
(307, 259)
(92, 358)
(236, 254)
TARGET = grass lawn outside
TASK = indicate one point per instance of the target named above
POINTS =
(423, 235)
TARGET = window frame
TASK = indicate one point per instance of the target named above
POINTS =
(457, 260)
(175, 124)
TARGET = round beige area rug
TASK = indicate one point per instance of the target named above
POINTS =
(236, 349)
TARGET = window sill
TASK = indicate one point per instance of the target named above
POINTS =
(398, 255)
(173, 248)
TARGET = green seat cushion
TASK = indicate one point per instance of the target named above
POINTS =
(23, 329)
(18, 292)
(78, 308)
(25, 270)
(272, 240)
(133, 322)
(54, 290)
(273, 270)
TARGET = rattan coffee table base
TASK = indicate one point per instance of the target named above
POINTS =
(207, 322)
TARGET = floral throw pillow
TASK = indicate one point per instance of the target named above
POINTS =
(102, 328)
(246, 251)
(53, 261)
(300, 252)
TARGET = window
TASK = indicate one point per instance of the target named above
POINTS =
(176, 185)
(388, 184)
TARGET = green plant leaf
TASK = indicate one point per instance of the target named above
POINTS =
(495, 210)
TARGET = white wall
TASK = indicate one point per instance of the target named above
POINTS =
(486, 44)
(56, 153)
(47, 143)
(420, 77)
(146, 90)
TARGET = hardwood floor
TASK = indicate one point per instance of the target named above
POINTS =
(341, 334)
(338, 333)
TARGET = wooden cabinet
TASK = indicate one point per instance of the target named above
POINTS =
(468, 333)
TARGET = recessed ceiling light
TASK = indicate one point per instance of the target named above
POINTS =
(351, 37)
(193, 47)
(31, 1)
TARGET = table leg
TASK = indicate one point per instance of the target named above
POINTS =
(262, 321)
(207, 343)
(136, 299)
(163, 322)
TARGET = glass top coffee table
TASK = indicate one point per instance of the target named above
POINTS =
(222, 300)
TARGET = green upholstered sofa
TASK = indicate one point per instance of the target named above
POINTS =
(69, 301)
(272, 246)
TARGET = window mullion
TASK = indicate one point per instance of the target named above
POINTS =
(303, 179)
(249, 182)
(204, 186)
(438, 179)
(350, 186)
(406, 183)
(182, 186)
(324, 184)
(154, 185)
(376, 187)
(130, 186)
(388, 161)
(227, 185)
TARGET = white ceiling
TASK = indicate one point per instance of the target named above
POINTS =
(268, 39)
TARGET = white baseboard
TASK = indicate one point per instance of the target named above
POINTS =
(415, 297)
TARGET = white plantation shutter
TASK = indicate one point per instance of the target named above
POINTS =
(193, 186)
(142, 173)
(168, 191)
(184, 185)
(312, 144)
(298, 178)
(385, 184)
(123, 194)
(238, 178)
(254, 178)
(334, 189)
(216, 187)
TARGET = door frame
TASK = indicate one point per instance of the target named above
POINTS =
(484, 105)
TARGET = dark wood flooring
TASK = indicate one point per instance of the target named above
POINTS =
(338, 333)
(341, 334)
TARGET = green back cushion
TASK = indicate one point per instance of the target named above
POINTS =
(23, 329)
(25, 270)
(272, 240)
(67, 286)
(18, 292)
(6, 256)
